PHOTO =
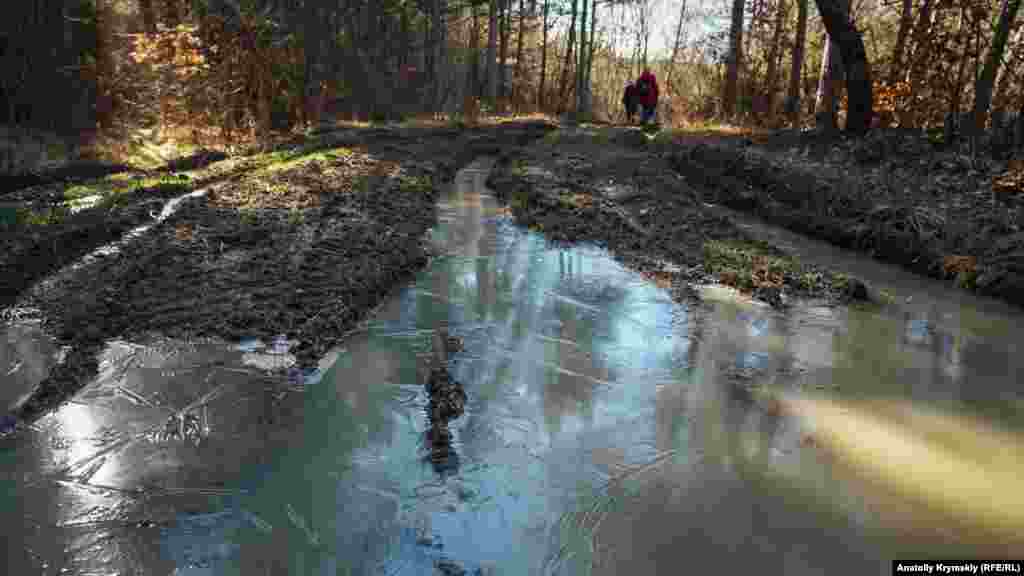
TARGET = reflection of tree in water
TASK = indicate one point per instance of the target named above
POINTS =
(572, 346)
(447, 401)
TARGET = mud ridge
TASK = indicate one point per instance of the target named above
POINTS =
(333, 239)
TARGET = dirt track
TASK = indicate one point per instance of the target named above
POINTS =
(302, 246)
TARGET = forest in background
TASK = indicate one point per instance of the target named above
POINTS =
(104, 76)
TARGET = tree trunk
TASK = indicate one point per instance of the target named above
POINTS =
(771, 76)
(564, 82)
(796, 70)
(983, 86)
(901, 41)
(829, 82)
(590, 52)
(503, 30)
(676, 44)
(958, 88)
(543, 58)
(148, 16)
(857, 71)
(735, 59)
(492, 53)
(518, 81)
(436, 42)
(919, 59)
(581, 62)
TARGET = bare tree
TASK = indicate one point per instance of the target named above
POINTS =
(771, 77)
(829, 83)
(796, 70)
(986, 80)
(835, 17)
(516, 86)
(677, 43)
(492, 64)
(541, 92)
(906, 19)
(734, 59)
(564, 83)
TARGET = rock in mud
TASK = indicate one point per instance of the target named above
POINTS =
(856, 291)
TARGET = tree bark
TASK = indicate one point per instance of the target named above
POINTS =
(796, 70)
(829, 82)
(906, 19)
(676, 44)
(771, 76)
(735, 59)
(503, 30)
(581, 62)
(492, 52)
(436, 43)
(590, 57)
(148, 16)
(517, 79)
(564, 82)
(958, 88)
(857, 71)
(543, 58)
(986, 80)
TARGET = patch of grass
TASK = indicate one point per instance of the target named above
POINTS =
(287, 159)
(42, 217)
(747, 265)
(519, 199)
(296, 217)
(248, 217)
(552, 138)
(415, 185)
(601, 137)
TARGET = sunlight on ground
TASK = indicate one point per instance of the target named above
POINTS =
(957, 464)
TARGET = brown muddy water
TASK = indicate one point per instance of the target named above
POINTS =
(608, 430)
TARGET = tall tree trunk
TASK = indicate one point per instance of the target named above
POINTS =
(735, 59)
(474, 50)
(675, 45)
(1014, 46)
(857, 71)
(436, 43)
(919, 59)
(581, 62)
(503, 30)
(541, 95)
(829, 82)
(983, 87)
(570, 45)
(796, 70)
(588, 103)
(906, 19)
(492, 53)
(958, 88)
(771, 76)
(518, 80)
(148, 16)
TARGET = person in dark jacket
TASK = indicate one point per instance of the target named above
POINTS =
(629, 101)
(647, 95)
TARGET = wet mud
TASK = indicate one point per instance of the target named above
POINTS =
(615, 187)
(304, 250)
(894, 195)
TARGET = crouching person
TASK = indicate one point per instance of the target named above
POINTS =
(629, 101)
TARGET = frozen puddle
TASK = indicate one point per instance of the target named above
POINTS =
(608, 430)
